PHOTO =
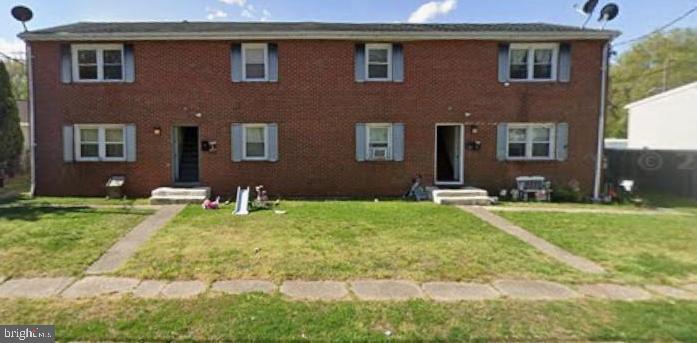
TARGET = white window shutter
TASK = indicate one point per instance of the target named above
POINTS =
(236, 62)
(66, 64)
(273, 62)
(361, 137)
(68, 143)
(501, 141)
(504, 62)
(398, 142)
(131, 143)
(272, 131)
(564, 62)
(562, 144)
(397, 63)
(129, 63)
(236, 142)
(360, 63)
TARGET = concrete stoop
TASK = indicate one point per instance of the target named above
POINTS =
(468, 196)
(171, 195)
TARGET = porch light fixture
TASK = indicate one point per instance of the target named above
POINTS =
(474, 128)
(157, 131)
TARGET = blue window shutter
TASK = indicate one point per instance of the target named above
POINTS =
(272, 131)
(360, 142)
(68, 143)
(66, 64)
(501, 141)
(236, 62)
(504, 62)
(273, 62)
(397, 63)
(129, 64)
(564, 62)
(236, 142)
(131, 144)
(562, 141)
(398, 142)
(360, 62)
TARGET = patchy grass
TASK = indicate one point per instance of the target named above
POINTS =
(270, 318)
(15, 187)
(651, 201)
(338, 240)
(41, 241)
(635, 248)
(25, 200)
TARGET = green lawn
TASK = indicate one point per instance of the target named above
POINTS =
(635, 248)
(41, 240)
(270, 318)
(25, 200)
(338, 240)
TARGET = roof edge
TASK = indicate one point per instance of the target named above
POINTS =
(661, 95)
(328, 35)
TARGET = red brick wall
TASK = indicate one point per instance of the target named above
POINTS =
(316, 104)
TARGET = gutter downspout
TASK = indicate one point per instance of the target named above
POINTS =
(32, 119)
(601, 123)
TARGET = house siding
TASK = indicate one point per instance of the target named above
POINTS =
(316, 104)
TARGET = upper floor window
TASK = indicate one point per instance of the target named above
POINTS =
(378, 62)
(255, 62)
(533, 62)
(95, 63)
(530, 141)
(255, 142)
(379, 141)
(100, 142)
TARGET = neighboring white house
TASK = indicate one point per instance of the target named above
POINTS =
(666, 121)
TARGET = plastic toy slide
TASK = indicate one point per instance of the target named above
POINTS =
(242, 202)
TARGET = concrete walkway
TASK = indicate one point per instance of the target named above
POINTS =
(577, 262)
(328, 290)
(125, 248)
(649, 212)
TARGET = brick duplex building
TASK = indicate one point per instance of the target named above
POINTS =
(313, 109)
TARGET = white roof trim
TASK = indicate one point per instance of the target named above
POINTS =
(662, 95)
(329, 35)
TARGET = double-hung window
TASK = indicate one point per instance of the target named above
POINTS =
(379, 142)
(255, 141)
(378, 62)
(530, 141)
(100, 142)
(255, 62)
(98, 62)
(533, 62)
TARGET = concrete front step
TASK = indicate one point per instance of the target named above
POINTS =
(170, 195)
(177, 200)
(463, 196)
(459, 192)
(172, 191)
(466, 201)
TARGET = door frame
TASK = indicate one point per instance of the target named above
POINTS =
(175, 160)
(461, 179)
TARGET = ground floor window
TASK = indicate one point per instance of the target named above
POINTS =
(100, 142)
(255, 139)
(379, 141)
(530, 141)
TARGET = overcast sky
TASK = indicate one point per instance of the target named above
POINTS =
(637, 17)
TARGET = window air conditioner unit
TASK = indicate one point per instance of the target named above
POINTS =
(378, 153)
